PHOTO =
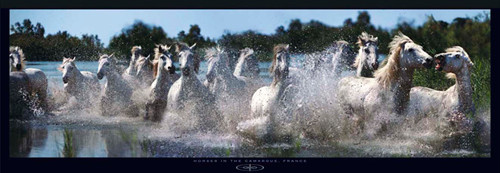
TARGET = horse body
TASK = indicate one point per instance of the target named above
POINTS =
(189, 94)
(377, 100)
(144, 68)
(220, 81)
(18, 88)
(117, 92)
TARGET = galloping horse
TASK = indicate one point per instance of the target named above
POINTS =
(389, 92)
(220, 80)
(157, 102)
(144, 67)
(83, 85)
(117, 92)
(367, 59)
(31, 80)
(189, 92)
(268, 103)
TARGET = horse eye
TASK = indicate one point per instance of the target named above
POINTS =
(367, 51)
(457, 56)
(410, 50)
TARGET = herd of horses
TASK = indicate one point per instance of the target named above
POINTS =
(366, 96)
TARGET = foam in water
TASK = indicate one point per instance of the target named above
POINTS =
(315, 119)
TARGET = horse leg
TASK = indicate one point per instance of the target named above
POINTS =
(148, 111)
(104, 106)
(158, 112)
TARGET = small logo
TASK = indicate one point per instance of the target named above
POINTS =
(249, 167)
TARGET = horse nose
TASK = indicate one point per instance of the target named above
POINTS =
(428, 63)
(65, 79)
(99, 76)
(18, 66)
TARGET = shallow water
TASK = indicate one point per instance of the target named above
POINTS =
(84, 133)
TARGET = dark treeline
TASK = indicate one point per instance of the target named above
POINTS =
(147, 36)
(472, 33)
(53, 47)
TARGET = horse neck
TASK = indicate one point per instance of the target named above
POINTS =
(401, 88)
(238, 70)
(464, 90)
(162, 75)
(280, 82)
(131, 67)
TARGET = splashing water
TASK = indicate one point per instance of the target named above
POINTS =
(319, 127)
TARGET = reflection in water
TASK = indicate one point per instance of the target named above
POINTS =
(22, 140)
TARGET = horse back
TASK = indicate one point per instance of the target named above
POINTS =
(37, 78)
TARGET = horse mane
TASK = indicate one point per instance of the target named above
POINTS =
(387, 74)
(276, 49)
(135, 49)
(210, 52)
(366, 38)
(143, 59)
(14, 49)
(157, 55)
(181, 46)
(247, 50)
(363, 39)
(65, 61)
(107, 56)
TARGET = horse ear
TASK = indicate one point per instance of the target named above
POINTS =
(287, 46)
(168, 48)
(74, 58)
(376, 39)
(192, 46)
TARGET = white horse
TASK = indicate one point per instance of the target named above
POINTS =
(162, 48)
(117, 92)
(367, 59)
(144, 67)
(189, 94)
(268, 106)
(37, 80)
(83, 85)
(377, 100)
(220, 80)
(232, 92)
(157, 102)
(130, 74)
(456, 100)
(247, 65)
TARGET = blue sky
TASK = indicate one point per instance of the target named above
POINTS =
(213, 23)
